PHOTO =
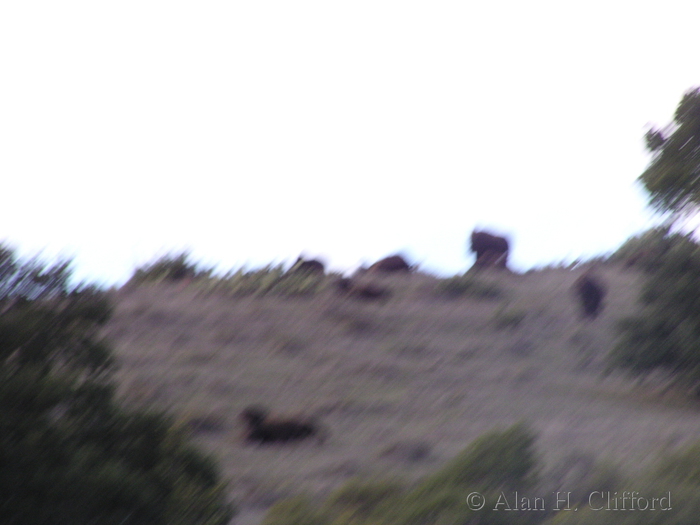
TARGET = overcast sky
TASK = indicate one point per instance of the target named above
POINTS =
(252, 131)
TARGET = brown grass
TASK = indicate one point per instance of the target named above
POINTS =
(401, 386)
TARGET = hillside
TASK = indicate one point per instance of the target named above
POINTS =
(402, 386)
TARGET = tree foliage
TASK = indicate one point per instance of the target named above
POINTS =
(497, 462)
(69, 453)
(666, 331)
(644, 251)
(170, 267)
(669, 487)
(673, 176)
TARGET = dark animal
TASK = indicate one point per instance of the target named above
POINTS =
(590, 291)
(491, 250)
(391, 264)
(264, 429)
(368, 291)
(308, 266)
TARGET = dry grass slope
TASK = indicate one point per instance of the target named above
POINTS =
(402, 386)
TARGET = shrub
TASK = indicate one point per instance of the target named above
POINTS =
(681, 467)
(298, 284)
(645, 250)
(269, 280)
(31, 280)
(363, 500)
(677, 475)
(666, 331)
(295, 511)
(496, 462)
(170, 267)
(70, 454)
(253, 282)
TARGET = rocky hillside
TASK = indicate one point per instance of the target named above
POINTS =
(401, 385)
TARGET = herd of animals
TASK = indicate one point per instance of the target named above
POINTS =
(491, 252)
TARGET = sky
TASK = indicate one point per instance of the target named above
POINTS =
(251, 132)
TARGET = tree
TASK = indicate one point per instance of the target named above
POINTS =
(69, 453)
(673, 176)
(666, 331)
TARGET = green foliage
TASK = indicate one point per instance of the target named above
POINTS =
(496, 465)
(270, 280)
(363, 500)
(31, 279)
(671, 487)
(253, 282)
(468, 286)
(681, 467)
(673, 176)
(170, 267)
(644, 251)
(69, 454)
(666, 332)
(298, 284)
(498, 461)
(495, 462)
(295, 511)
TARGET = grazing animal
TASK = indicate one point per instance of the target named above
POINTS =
(308, 266)
(368, 291)
(590, 291)
(264, 429)
(391, 264)
(491, 250)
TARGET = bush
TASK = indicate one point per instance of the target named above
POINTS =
(681, 467)
(666, 331)
(498, 461)
(673, 483)
(242, 283)
(69, 453)
(170, 267)
(644, 251)
(295, 511)
(363, 500)
(677, 475)
(269, 280)
(31, 280)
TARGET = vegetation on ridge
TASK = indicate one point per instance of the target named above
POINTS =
(69, 452)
